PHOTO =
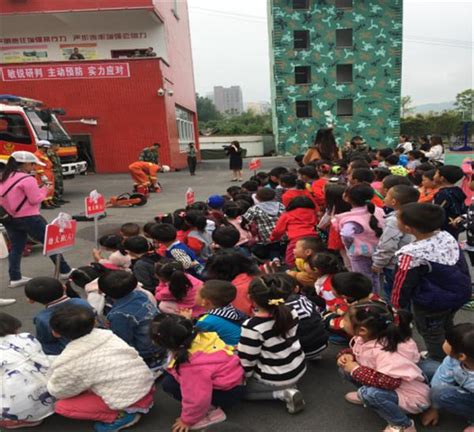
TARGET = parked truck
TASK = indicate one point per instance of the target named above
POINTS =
(24, 122)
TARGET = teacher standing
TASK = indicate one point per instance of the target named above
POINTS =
(21, 197)
(235, 160)
(323, 148)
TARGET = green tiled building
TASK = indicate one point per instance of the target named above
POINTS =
(341, 57)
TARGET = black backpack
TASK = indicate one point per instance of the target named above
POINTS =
(4, 215)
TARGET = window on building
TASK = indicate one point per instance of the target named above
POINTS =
(301, 39)
(344, 38)
(344, 73)
(344, 4)
(302, 74)
(303, 109)
(345, 107)
(300, 4)
(13, 129)
(185, 124)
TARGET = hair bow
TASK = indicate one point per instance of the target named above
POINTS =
(276, 302)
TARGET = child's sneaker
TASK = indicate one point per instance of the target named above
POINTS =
(353, 398)
(391, 428)
(19, 424)
(123, 421)
(294, 400)
(212, 417)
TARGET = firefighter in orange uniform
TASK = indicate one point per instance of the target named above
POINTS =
(145, 177)
(45, 174)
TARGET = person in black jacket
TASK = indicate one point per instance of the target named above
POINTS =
(311, 330)
(431, 275)
(234, 152)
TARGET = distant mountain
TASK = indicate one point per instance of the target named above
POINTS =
(436, 107)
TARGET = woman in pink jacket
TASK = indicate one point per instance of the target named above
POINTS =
(177, 290)
(382, 362)
(204, 373)
(21, 197)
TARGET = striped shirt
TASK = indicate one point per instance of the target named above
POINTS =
(269, 357)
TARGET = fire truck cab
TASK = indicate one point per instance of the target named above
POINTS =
(24, 121)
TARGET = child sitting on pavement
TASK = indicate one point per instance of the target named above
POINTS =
(24, 370)
(51, 293)
(98, 376)
(131, 314)
(305, 249)
(118, 259)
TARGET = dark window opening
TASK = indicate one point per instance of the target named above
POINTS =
(302, 74)
(303, 109)
(300, 4)
(13, 129)
(301, 39)
(345, 107)
(344, 38)
(344, 73)
(344, 4)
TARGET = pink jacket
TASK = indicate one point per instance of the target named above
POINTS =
(163, 294)
(27, 187)
(211, 365)
(364, 240)
(413, 393)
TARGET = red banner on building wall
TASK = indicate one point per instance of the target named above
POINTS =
(63, 72)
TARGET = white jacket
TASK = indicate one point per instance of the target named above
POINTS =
(104, 364)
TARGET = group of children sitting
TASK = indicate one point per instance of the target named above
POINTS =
(235, 297)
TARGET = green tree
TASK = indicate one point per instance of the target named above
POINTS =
(465, 103)
(206, 110)
(405, 106)
(247, 123)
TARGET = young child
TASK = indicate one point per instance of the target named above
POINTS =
(297, 222)
(204, 374)
(131, 313)
(269, 349)
(431, 274)
(414, 160)
(392, 180)
(143, 261)
(450, 197)
(176, 290)
(429, 188)
(129, 229)
(305, 249)
(325, 265)
(392, 239)
(51, 293)
(366, 176)
(383, 361)
(311, 332)
(392, 162)
(216, 297)
(452, 387)
(360, 230)
(348, 288)
(233, 214)
(324, 172)
(98, 376)
(379, 174)
(226, 238)
(24, 368)
(198, 239)
(265, 215)
(293, 188)
(118, 259)
(308, 175)
(165, 234)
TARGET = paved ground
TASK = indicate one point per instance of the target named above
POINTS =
(322, 388)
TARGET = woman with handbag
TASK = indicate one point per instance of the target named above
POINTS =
(20, 202)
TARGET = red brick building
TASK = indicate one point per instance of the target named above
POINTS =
(117, 99)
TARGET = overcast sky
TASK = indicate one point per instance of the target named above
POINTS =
(230, 47)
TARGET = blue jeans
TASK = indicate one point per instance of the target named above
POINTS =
(18, 231)
(383, 402)
(455, 400)
(388, 284)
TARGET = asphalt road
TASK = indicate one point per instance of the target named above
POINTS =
(323, 389)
